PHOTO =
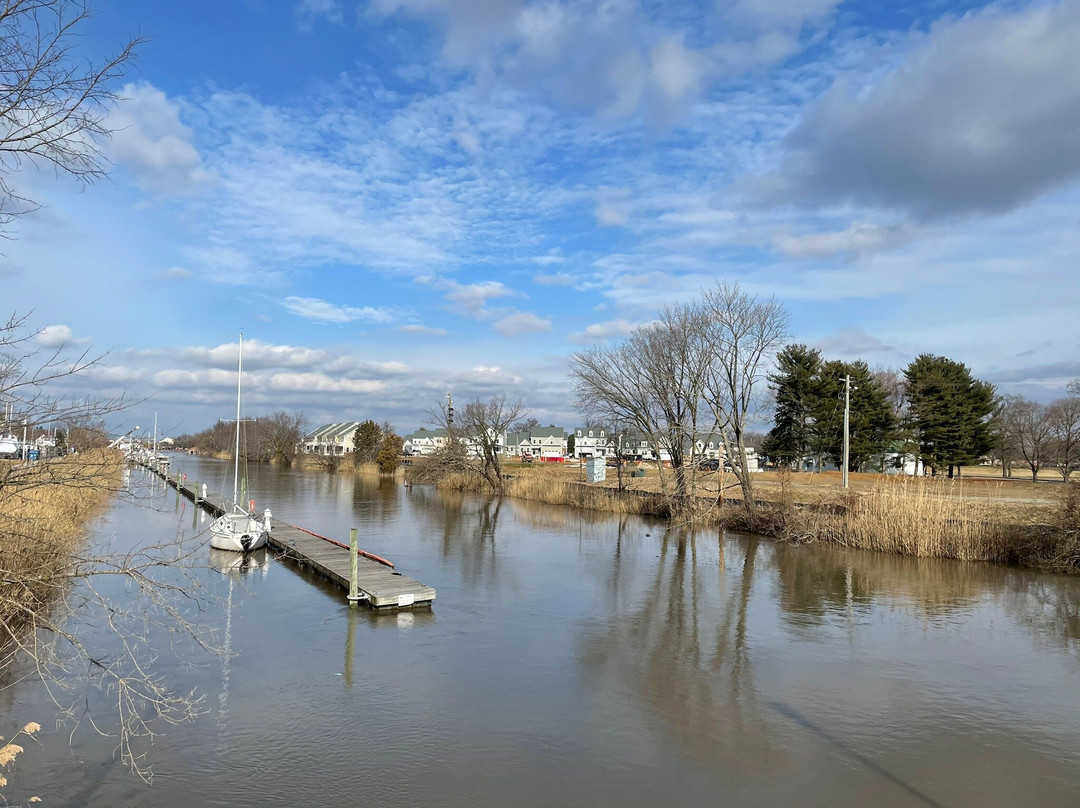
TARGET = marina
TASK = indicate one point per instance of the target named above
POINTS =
(378, 584)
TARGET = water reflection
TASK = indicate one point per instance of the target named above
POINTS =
(678, 666)
(683, 643)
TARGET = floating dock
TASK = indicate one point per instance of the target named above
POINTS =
(380, 585)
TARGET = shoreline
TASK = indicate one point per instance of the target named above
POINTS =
(970, 518)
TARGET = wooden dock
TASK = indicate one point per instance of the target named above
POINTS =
(380, 585)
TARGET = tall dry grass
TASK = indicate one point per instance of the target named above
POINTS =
(928, 518)
(912, 516)
(44, 511)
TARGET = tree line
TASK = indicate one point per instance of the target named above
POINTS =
(274, 438)
(933, 412)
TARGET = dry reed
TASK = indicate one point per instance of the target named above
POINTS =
(44, 511)
(920, 517)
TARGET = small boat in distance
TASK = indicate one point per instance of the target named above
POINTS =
(238, 529)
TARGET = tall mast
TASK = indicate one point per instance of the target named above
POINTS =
(236, 454)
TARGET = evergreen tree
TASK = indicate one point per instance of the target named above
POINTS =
(950, 411)
(872, 423)
(389, 454)
(794, 387)
(366, 442)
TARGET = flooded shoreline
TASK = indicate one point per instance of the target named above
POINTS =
(586, 659)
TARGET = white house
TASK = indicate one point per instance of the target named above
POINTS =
(592, 441)
(425, 441)
(332, 439)
(548, 442)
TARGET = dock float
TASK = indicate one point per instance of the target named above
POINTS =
(380, 585)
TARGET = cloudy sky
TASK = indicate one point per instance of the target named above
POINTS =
(393, 199)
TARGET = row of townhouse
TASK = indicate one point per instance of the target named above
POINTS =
(546, 443)
(332, 439)
(598, 442)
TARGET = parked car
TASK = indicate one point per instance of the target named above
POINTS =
(709, 464)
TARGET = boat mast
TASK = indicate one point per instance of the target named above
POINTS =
(236, 454)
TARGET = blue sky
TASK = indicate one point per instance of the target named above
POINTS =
(397, 198)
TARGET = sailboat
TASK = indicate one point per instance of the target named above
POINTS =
(238, 529)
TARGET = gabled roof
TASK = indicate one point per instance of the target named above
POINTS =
(547, 432)
(427, 433)
(516, 438)
(333, 432)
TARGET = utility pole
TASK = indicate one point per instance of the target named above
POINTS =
(847, 421)
(449, 413)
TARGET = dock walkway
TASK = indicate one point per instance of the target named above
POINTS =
(380, 585)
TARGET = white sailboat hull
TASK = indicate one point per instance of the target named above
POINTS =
(238, 532)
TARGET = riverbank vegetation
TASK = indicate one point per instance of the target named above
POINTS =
(967, 518)
(44, 510)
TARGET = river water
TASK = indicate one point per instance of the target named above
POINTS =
(579, 659)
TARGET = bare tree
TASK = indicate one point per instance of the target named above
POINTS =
(745, 333)
(278, 436)
(1033, 434)
(27, 377)
(53, 106)
(1006, 428)
(483, 425)
(653, 382)
(48, 574)
(1064, 417)
(475, 438)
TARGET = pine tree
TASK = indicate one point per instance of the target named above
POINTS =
(793, 387)
(950, 411)
(366, 441)
(872, 424)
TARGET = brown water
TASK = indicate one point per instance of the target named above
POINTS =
(577, 659)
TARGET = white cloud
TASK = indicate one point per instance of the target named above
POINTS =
(521, 322)
(307, 11)
(858, 239)
(613, 57)
(206, 377)
(322, 383)
(423, 330)
(981, 118)
(600, 332)
(150, 140)
(470, 299)
(554, 279)
(321, 311)
(55, 336)
(613, 206)
(257, 354)
(552, 257)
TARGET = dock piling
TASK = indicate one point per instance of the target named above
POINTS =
(354, 567)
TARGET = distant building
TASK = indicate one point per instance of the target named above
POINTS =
(332, 439)
(425, 441)
(593, 441)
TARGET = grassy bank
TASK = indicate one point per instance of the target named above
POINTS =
(44, 510)
(970, 520)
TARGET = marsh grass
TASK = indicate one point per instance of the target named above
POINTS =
(911, 516)
(44, 510)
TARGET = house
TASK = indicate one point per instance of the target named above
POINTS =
(548, 443)
(517, 444)
(331, 439)
(593, 441)
(425, 441)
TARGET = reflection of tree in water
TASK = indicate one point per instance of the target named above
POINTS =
(376, 499)
(815, 582)
(684, 641)
(1049, 605)
(465, 526)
